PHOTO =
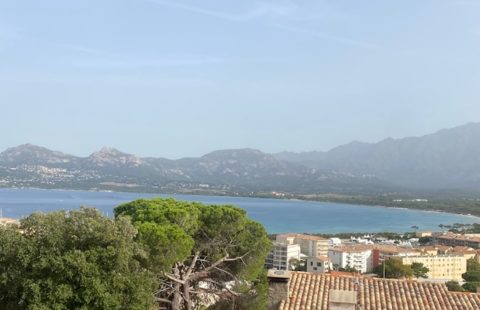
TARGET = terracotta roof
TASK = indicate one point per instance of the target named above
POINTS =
(302, 236)
(394, 248)
(311, 291)
(450, 236)
(463, 249)
(381, 247)
(352, 248)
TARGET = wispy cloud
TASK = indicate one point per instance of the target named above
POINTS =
(276, 12)
(332, 38)
(262, 9)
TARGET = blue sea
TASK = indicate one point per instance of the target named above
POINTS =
(276, 215)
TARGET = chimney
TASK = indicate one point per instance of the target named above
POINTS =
(478, 289)
(342, 300)
(277, 288)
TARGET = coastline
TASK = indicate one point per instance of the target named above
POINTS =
(290, 197)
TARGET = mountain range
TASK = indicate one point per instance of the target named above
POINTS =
(447, 159)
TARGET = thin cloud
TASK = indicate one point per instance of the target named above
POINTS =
(333, 38)
(269, 10)
(261, 10)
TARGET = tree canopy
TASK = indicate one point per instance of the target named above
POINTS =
(72, 260)
(419, 270)
(199, 251)
(394, 268)
(454, 286)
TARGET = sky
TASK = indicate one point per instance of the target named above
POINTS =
(178, 78)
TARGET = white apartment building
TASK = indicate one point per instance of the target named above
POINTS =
(311, 246)
(281, 255)
(320, 264)
(359, 257)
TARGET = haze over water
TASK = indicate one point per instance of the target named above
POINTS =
(276, 215)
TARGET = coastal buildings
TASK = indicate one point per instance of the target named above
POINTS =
(441, 267)
(319, 264)
(301, 290)
(282, 255)
(311, 246)
(381, 252)
(355, 256)
(450, 239)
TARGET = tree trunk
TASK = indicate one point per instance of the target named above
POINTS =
(177, 298)
(186, 296)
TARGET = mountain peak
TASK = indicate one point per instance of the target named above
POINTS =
(33, 154)
(236, 153)
(111, 156)
(108, 150)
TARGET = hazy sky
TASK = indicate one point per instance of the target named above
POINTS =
(180, 78)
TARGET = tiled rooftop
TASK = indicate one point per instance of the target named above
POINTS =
(302, 236)
(310, 291)
(466, 237)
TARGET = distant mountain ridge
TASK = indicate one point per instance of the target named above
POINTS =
(447, 159)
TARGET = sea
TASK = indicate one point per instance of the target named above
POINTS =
(277, 215)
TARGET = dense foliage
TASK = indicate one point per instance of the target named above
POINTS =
(394, 268)
(419, 270)
(454, 286)
(72, 260)
(472, 276)
(200, 252)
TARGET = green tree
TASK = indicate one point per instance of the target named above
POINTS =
(471, 286)
(72, 260)
(394, 268)
(473, 265)
(424, 240)
(348, 268)
(454, 286)
(419, 270)
(195, 248)
(471, 276)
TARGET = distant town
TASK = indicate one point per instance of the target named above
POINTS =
(375, 272)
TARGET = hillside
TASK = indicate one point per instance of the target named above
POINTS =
(446, 160)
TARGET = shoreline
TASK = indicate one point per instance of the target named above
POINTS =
(339, 201)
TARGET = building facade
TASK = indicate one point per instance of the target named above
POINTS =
(450, 239)
(441, 267)
(358, 257)
(311, 246)
(319, 264)
(282, 255)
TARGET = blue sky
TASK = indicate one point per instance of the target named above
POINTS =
(179, 78)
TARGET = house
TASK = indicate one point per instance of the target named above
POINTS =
(311, 246)
(354, 256)
(451, 239)
(319, 264)
(282, 255)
